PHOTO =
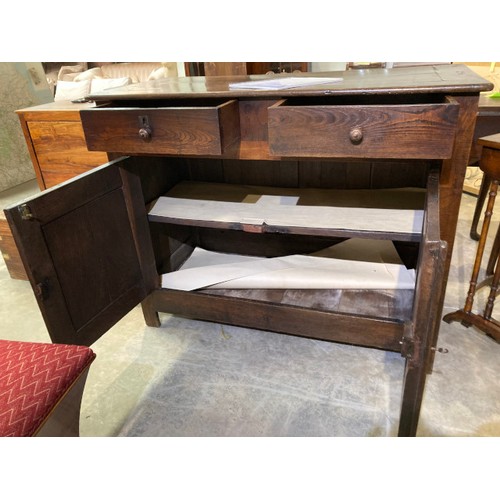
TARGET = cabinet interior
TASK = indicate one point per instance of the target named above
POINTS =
(388, 184)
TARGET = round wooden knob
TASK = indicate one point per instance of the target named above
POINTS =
(356, 135)
(145, 133)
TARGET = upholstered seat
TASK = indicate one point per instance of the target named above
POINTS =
(35, 378)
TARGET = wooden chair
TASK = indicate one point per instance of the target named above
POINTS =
(41, 387)
(489, 163)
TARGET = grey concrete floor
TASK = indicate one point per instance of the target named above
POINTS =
(193, 378)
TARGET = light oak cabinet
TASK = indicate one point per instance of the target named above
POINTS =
(56, 142)
(58, 151)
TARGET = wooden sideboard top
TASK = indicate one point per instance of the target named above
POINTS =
(423, 79)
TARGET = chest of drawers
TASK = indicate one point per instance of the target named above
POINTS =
(391, 140)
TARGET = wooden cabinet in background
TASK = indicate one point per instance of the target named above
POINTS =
(56, 142)
(58, 151)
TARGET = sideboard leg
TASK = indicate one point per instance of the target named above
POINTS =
(151, 316)
(413, 390)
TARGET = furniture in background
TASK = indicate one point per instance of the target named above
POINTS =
(487, 123)
(56, 142)
(76, 80)
(41, 388)
(489, 163)
(193, 138)
(242, 68)
(56, 145)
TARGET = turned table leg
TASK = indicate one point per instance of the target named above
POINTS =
(482, 243)
(483, 191)
(490, 165)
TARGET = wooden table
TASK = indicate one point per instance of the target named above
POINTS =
(489, 163)
(92, 253)
(487, 123)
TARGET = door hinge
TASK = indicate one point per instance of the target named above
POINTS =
(25, 212)
(42, 289)
(407, 347)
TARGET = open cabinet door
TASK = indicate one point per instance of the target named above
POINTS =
(421, 337)
(86, 248)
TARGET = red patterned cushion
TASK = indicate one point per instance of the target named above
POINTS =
(33, 378)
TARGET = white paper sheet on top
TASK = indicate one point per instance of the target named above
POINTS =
(215, 270)
(283, 83)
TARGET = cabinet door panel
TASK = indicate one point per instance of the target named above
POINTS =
(86, 249)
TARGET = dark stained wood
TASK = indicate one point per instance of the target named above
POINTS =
(385, 130)
(444, 99)
(253, 119)
(487, 123)
(353, 329)
(422, 336)
(490, 164)
(82, 253)
(388, 304)
(419, 341)
(259, 244)
(256, 68)
(257, 172)
(441, 79)
(191, 130)
(452, 175)
(250, 68)
(493, 142)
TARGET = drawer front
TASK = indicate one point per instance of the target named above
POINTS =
(204, 130)
(412, 131)
(61, 150)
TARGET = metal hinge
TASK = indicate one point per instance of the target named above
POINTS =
(25, 212)
(42, 289)
(407, 347)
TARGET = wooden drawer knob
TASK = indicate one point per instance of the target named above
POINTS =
(356, 135)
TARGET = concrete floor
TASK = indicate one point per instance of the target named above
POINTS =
(193, 378)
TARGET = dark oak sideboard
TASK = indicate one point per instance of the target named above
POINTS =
(386, 139)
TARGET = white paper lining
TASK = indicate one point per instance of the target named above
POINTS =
(206, 269)
(277, 214)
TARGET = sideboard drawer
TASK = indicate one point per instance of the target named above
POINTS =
(402, 130)
(194, 129)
